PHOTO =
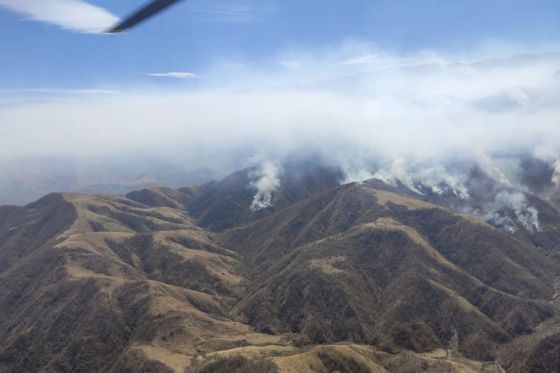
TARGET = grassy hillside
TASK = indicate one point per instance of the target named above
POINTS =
(351, 278)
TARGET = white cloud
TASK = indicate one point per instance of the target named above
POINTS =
(418, 113)
(74, 15)
(360, 60)
(175, 74)
(420, 110)
(50, 91)
(234, 12)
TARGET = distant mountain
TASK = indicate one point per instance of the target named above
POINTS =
(360, 277)
(23, 180)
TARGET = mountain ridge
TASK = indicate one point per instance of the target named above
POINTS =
(354, 277)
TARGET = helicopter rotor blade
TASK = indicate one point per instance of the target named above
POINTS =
(147, 11)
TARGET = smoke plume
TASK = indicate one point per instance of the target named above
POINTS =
(267, 183)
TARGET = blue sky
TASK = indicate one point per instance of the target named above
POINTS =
(198, 34)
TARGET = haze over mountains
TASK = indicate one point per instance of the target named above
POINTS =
(285, 268)
(359, 108)
(27, 179)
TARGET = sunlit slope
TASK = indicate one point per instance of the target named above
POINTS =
(118, 284)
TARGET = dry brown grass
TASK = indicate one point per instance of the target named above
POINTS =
(176, 361)
(327, 265)
(385, 198)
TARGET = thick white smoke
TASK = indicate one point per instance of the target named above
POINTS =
(556, 175)
(497, 202)
(550, 153)
(397, 173)
(525, 215)
(436, 178)
(268, 181)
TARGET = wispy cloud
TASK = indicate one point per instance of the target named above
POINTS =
(76, 15)
(22, 96)
(359, 60)
(58, 91)
(175, 75)
(238, 12)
